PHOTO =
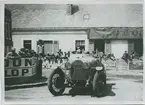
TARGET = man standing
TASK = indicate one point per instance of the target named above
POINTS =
(48, 57)
(60, 55)
(12, 54)
(78, 50)
(125, 56)
(40, 47)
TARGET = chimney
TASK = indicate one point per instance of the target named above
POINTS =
(69, 9)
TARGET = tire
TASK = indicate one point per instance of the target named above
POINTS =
(59, 82)
(99, 84)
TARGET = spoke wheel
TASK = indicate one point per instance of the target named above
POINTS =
(56, 83)
(99, 84)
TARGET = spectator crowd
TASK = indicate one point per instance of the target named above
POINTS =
(51, 57)
(60, 56)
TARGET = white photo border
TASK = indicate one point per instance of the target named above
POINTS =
(2, 6)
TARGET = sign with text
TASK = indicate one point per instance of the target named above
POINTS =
(116, 33)
(20, 67)
(20, 62)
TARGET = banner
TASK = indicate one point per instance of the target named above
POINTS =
(20, 67)
(116, 33)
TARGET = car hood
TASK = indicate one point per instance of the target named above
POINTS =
(82, 57)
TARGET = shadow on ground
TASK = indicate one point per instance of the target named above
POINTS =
(87, 91)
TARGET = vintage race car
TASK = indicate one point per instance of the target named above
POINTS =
(81, 70)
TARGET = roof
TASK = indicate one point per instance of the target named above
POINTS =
(52, 15)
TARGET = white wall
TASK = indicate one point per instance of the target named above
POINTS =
(118, 47)
(66, 39)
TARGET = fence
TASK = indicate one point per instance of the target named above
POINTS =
(120, 64)
(136, 64)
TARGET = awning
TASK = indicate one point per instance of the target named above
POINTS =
(116, 33)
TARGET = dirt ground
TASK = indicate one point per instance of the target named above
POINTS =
(121, 86)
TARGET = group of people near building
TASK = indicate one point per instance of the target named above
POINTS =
(126, 57)
(23, 53)
(60, 56)
(57, 57)
(51, 57)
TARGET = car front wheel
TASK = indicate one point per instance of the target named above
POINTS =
(99, 84)
(56, 82)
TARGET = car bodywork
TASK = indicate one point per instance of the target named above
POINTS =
(81, 70)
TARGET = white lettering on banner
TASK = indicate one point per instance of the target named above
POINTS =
(21, 62)
(19, 72)
(20, 67)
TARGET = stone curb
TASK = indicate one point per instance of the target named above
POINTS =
(9, 87)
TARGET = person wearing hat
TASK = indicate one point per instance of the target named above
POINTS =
(60, 54)
(52, 57)
(22, 52)
(78, 50)
(48, 57)
(125, 57)
(12, 54)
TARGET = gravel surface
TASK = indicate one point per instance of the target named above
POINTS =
(122, 86)
(118, 89)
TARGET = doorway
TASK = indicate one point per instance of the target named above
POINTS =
(138, 46)
(118, 47)
(99, 44)
(51, 46)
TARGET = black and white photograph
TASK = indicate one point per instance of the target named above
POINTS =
(73, 53)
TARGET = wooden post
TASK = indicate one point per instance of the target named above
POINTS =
(116, 64)
(128, 64)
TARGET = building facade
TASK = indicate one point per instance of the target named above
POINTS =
(110, 28)
(117, 40)
(67, 39)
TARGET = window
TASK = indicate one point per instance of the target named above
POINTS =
(80, 44)
(55, 42)
(51, 46)
(27, 44)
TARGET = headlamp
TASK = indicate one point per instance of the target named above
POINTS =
(99, 68)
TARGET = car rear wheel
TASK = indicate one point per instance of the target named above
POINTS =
(56, 82)
(99, 84)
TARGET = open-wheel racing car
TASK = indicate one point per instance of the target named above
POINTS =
(81, 70)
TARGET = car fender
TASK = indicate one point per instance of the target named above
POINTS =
(57, 69)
